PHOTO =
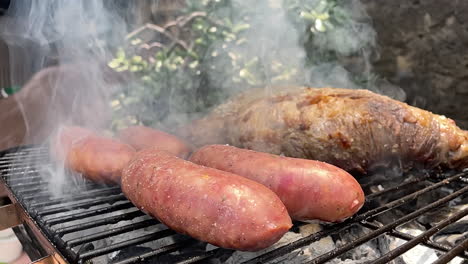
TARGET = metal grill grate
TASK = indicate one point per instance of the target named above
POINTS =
(94, 221)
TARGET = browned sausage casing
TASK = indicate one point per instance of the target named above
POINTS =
(214, 206)
(141, 137)
(309, 189)
(98, 158)
(65, 137)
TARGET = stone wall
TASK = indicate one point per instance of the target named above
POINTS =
(424, 49)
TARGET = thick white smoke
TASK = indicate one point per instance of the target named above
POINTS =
(64, 46)
(77, 36)
(81, 37)
(338, 35)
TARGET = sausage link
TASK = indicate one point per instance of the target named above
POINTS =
(141, 137)
(214, 206)
(309, 189)
(98, 158)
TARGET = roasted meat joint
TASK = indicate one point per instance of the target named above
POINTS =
(356, 130)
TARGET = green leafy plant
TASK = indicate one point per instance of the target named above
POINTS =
(192, 63)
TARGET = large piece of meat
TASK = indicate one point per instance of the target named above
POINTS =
(356, 130)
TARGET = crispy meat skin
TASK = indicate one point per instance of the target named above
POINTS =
(356, 130)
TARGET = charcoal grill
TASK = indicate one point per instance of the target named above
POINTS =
(63, 229)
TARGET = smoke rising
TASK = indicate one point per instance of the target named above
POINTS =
(211, 50)
(76, 38)
(291, 42)
(64, 46)
(301, 42)
(321, 43)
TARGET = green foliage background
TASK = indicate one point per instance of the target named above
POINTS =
(173, 70)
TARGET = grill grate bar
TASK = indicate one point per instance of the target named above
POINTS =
(80, 215)
(23, 159)
(9, 158)
(18, 177)
(462, 247)
(111, 232)
(24, 186)
(12, 181)
(205, 255)
(348, 223)
(5, 163)
(43, 191)
(422, 237)
(100, 222)
(87, 190)
(163, 250)
(87, 204)
(407, 198)
(9, 175)
(395, 188)
(338, 251)
(19, 170)
(280, 251)
(25, 149)
(408, 237)
(30, 190)
(90, 195)
(41, 195)
(125, 244)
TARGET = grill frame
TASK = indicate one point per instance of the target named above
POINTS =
(35, 233)
(61, 251)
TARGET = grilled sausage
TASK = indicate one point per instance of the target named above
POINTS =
(309, 189)
(98, 158)
(65, 137)
(141, 137)
(214, 206)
